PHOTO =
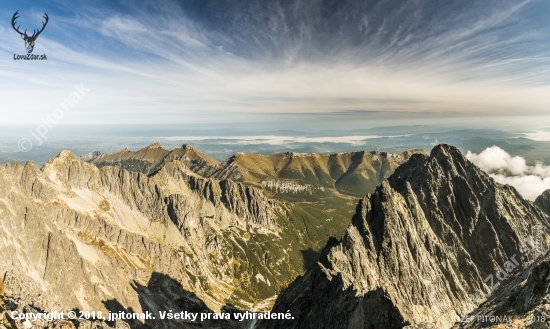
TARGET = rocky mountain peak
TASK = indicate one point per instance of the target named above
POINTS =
(67, 169)
(26, 172)
(90, 156)
(63, 159)
(66, 155)
(446, 150)
(418, 250)
(444, 173)
(154, 145)
(450, 158)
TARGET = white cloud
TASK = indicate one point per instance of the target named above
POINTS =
(278, 140)
(530, 181)
(530, 187)
(495, 159)
(541, 136)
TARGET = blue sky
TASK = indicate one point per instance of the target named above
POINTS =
(208, 61)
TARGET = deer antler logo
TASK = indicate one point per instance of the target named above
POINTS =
(29, 40)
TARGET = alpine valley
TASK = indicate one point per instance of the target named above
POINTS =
(347, 240)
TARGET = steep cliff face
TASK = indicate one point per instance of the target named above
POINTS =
(76, 236)
(523, 299)
(419, 249)
(543, 201)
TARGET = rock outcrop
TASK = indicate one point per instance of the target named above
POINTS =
(286, 186)
(75, 236)
(543, 201)
(523, 301)
(418, 252)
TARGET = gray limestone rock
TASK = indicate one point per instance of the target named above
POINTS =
(543, 201)
(75, 236)
(418, 251)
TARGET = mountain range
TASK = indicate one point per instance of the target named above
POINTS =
(428, 242)
(353, 173)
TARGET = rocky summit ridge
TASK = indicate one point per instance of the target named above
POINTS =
(419, 250)
(78, 237)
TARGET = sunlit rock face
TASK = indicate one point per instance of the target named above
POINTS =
(418, 251)
(78, 237)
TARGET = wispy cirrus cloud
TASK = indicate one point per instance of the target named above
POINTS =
(168, 61)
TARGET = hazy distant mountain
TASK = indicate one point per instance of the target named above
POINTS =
(91, 156)
(152, 158)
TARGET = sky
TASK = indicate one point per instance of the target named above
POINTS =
(302, 62)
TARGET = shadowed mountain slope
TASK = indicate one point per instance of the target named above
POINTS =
(522, 301)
